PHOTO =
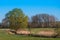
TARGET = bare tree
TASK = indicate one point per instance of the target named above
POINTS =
(43, 20)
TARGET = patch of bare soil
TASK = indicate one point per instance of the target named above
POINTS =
(47, 33)
(24, 32)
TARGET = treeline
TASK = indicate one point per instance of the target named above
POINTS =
(44, 21)
(17, 18)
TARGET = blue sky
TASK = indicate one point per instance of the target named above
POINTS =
(31, 7)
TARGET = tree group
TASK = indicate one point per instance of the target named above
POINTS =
(16, 19)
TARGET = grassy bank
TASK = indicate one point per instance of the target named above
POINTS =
(5, 36)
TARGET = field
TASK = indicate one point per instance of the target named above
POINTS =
(5, 36)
